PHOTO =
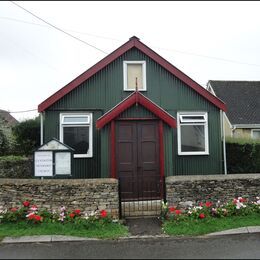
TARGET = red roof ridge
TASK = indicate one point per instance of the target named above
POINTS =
(136, 97)
(133, 42)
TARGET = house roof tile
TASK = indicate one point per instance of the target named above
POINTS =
(242, 99)
(8, 118)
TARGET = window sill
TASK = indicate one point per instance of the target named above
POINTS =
(141, 90)
(192, 153)
(82, 156)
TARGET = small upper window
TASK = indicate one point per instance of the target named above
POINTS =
(192, 133)
(76, 131)
(134, 75)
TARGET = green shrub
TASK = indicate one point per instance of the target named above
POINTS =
(3, 143)
(243, 155)
(16, 167)
(27, 136)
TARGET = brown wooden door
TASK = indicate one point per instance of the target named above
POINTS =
(137, 156)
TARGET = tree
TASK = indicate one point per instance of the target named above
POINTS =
(27, 136)
(3, 143)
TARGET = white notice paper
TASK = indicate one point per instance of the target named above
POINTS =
(62, 163)
(43, 164)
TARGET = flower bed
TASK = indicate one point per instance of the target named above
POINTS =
(240, 206)
(30, 213)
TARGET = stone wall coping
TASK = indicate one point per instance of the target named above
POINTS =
(223, 177)
(99, 181)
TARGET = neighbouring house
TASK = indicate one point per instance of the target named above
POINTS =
(136, 117)
(242, 98)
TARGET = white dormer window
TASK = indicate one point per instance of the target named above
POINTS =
(134, 75)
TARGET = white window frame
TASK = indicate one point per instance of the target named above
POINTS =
(254, 130)
(125, 63)
(79, 124)
(204, 122)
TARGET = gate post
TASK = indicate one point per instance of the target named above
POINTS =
(164, 190)
(119, 200)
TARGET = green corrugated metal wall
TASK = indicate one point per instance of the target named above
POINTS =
(105, 89)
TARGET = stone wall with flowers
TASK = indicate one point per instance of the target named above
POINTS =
(84, 194)
(183, 190)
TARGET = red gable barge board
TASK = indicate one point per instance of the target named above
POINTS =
(133, 42)
(139, 98)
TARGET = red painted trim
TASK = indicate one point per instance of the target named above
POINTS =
(161, 149)
(137, 118)
(179, 74)
(131, 100)
(113, 149)
(133, 42)
(86, 75)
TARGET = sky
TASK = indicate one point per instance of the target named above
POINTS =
(207, 40)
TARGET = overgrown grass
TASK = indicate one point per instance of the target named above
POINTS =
(95, 230)
(209, 225)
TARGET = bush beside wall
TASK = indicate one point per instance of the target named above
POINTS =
(243, 156)
(16, 167)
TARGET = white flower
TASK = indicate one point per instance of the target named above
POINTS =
(33, 208)
(30, 214)
(92, 213)
(86, 216)
(62, 208)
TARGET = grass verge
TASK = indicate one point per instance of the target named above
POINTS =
(95, 230)
(209, 225)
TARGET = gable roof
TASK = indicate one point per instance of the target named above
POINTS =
(133, 42)
(242, 99)
(8, 118)
(136, 98)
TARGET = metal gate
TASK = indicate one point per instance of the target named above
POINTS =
(148, 201)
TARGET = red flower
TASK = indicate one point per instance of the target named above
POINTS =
(72, 215)
(201, 204)
(13, 209)
(171, 209)
(26, 203)
(234, 201)
(242, 200)
(103, 213)
(77, 211)
(177, 212)
(37, 217)
(201, 215)
(31, 216)
(208, 204)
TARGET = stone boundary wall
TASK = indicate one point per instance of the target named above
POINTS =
(84, 194)
(181, 190)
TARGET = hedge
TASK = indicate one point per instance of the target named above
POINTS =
(16, 167)
(243, 155)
